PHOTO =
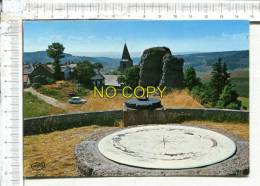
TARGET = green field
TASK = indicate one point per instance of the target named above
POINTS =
(240, 78)
(245, 102)
(60, 90)
(34, 107)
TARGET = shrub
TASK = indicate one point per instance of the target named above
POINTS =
(49, 92)
(36, 85)
(130, 77)
(83, 73)
(202, 93)
(228, 98)
(234, 105)
(80, 91)
(50, 80)
(190, 78)
(41, 79)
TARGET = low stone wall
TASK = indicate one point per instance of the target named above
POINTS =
(130, 117)
(46, 124)
(175, 115)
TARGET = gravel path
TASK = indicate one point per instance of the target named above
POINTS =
(47, 99)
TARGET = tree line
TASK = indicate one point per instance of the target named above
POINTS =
(219, 92)
(82, 72)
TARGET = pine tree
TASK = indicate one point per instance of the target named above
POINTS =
(219, 79)
(216, 83)
(225, 74)
(55, 51)
(190, 78)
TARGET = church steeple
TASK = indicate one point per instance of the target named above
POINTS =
(126, 60)
(126, 54)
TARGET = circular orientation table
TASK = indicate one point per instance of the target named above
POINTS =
(166, 147)
(162, 150)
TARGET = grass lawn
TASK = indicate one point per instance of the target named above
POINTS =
(240, 78)
(56, 149)
(35, 107)
(60, 90)
(245, 102)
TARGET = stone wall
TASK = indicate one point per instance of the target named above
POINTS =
(134, 117)
(46, 124)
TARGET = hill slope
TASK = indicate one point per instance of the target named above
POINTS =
(200, 61)
(203, 61)
(41, 57)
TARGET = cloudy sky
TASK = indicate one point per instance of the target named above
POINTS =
(107, 37)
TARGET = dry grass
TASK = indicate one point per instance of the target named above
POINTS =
(56, 149)
(97, 103)
(180, 98)
(173, 99)
(176, 98)
(239, 129)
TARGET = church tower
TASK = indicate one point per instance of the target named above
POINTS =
(126, 60)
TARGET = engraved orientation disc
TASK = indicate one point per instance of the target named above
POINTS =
(166, 147)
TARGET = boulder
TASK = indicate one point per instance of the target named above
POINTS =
(151, 66)
(172, 72)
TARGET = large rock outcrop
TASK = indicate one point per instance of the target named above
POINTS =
(151, 66)
(172, 72)
(158, 67)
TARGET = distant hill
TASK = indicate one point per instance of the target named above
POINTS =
(41, 57)
(204, 61)
(200, 61)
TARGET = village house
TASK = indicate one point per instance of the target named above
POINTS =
(66, 70)
(46, 70)
(111, 80)
(30, 71)
(27, 70)
(98, 79)
(41, 69)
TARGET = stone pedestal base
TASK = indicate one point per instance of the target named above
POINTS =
(137, 117)
(90, 162)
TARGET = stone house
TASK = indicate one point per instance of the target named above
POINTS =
(27, 70)
(67, 70)
(42, 70)
(111, 80)
(98, 79)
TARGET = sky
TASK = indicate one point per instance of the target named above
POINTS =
(107, 37)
